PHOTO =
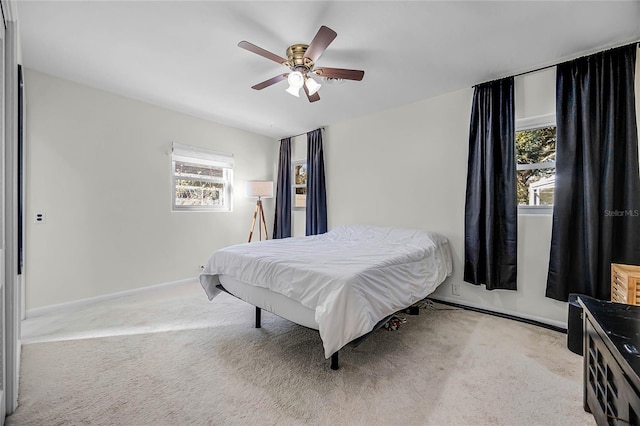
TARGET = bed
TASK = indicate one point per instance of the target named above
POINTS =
(343, 283)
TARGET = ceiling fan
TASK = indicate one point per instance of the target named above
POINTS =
(301, 60)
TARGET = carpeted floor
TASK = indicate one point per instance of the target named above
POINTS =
(177, 359)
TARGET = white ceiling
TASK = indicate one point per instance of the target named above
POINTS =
(184, 55)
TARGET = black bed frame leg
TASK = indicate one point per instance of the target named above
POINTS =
(334, 361)
(258, 311)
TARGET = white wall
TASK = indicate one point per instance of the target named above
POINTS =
(407, 167)
(535, 93)
(98, 167)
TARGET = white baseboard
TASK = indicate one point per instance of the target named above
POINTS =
(457, 301)
(23, 297)
(35, 312)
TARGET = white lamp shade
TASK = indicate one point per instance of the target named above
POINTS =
(295, 91)
(312, 85)
(295, 79)
(259, 189)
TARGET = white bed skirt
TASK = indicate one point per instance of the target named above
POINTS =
(270, 301)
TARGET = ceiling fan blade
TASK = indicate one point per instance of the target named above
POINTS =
(323, 38)
(312, 98)
(269, 82)
(260, 51)
(340, 73)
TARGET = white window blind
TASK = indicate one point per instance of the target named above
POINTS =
(201, 155)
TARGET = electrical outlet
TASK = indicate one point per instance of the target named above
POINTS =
(455, 289)
(39, 217)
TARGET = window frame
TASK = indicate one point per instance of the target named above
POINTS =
(294, 186)
(206, 157)
(531, 123)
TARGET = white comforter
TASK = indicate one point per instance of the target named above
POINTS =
(352, 276)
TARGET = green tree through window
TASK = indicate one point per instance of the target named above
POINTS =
(536, 156)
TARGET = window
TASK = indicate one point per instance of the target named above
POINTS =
(536, 167)
(299, 187)
(201, 179)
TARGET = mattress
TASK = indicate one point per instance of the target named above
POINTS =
(350, 277)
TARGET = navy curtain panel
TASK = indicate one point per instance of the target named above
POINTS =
(596, 213)
(316, 191)
(282, 221)
(491, 210)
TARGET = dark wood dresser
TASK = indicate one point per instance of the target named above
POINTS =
(611, 361)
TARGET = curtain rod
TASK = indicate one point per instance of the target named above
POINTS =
(295, 136)
(555, 65)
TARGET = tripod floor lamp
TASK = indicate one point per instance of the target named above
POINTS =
(260, 189)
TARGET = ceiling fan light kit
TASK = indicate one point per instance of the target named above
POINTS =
(295, 83)
(296, 80)
(312, 85)
(301, 60)
(333, 81)
(293, 91)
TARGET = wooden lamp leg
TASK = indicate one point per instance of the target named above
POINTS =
(258, 213)
(253, 222)
(264, 223)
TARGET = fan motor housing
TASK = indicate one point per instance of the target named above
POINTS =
(295, 54)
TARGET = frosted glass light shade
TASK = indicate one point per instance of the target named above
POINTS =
(295, 79)
(259, 189)
(312, 85)
(295, 91)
